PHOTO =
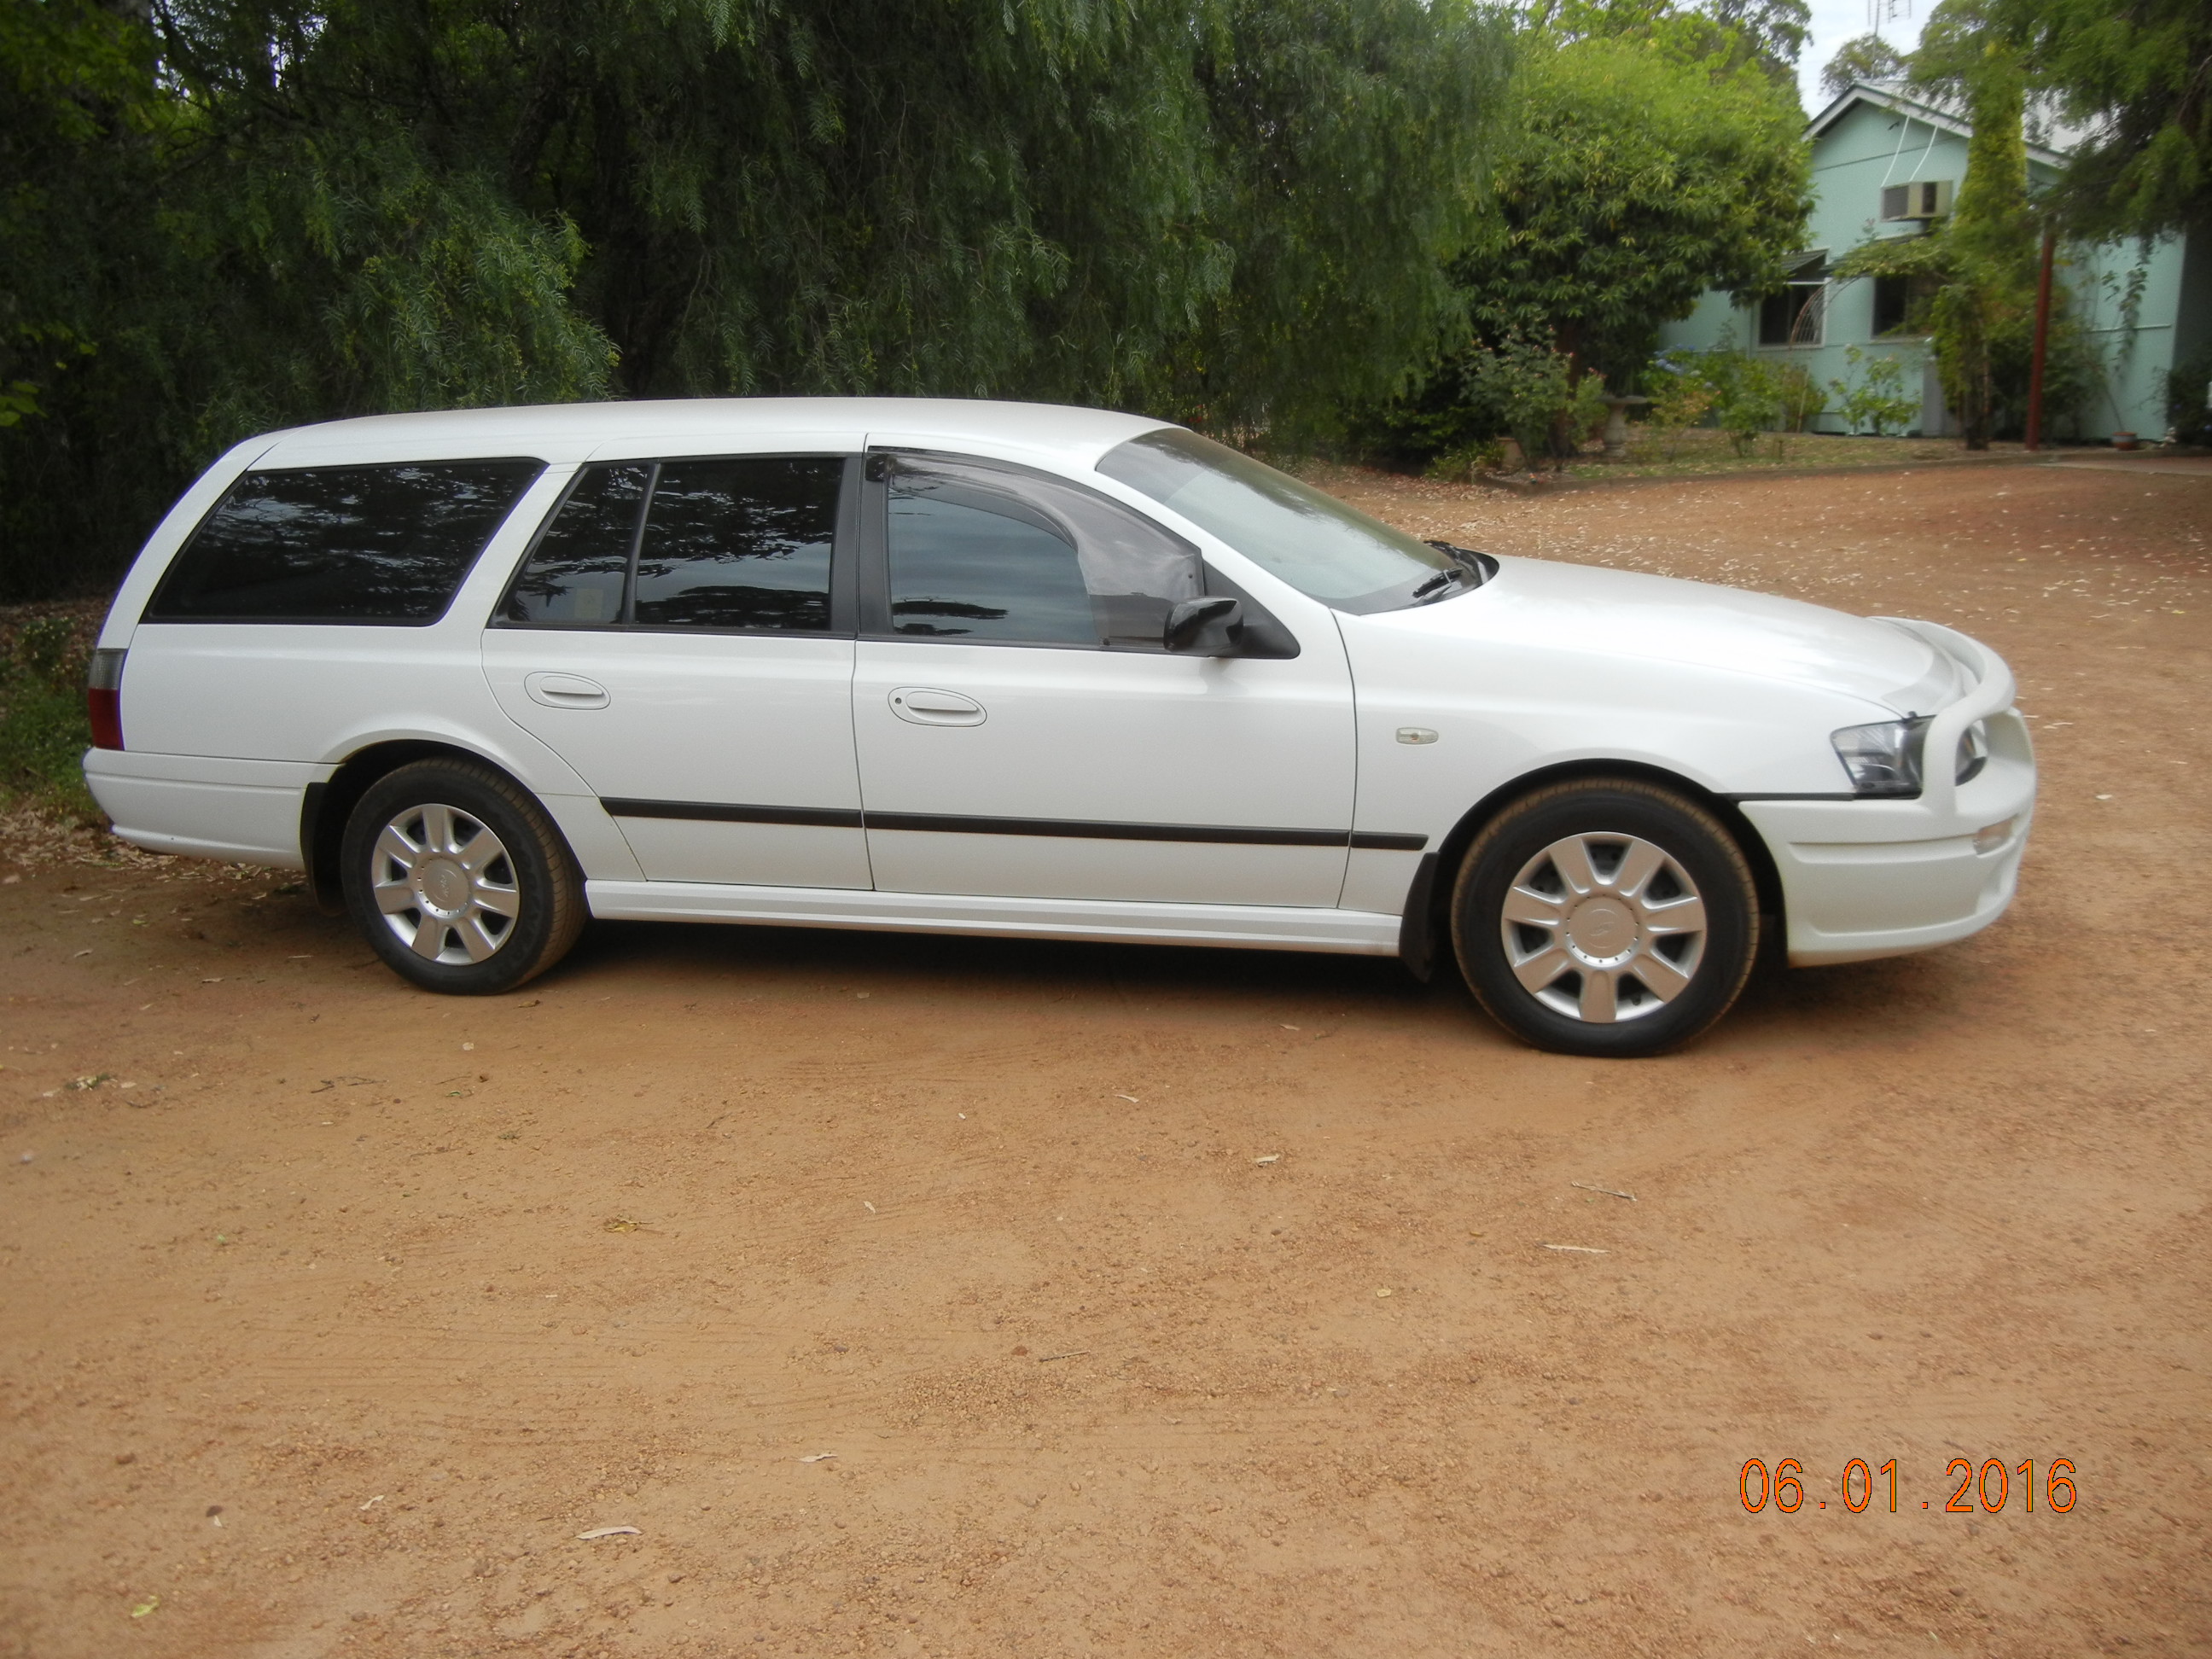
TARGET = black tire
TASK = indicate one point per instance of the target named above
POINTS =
(1639, 978)
(507, 916)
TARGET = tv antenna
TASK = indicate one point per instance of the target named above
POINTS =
(1886, 11)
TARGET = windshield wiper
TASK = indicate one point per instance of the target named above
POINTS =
(1479, 567)
(1434, 582)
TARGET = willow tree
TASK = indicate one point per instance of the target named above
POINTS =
(1230, 208)
(2136, 76)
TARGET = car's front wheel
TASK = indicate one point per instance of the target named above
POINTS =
(458, 878)
(1607, 917)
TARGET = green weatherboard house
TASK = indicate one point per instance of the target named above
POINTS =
(1885, 162)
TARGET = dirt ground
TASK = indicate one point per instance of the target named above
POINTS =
(971, 1298)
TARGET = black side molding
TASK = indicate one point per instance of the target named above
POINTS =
(957, 824)
(1085, 830)
(829, 818)
(1377, 841)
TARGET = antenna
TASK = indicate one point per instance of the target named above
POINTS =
(1886, 11)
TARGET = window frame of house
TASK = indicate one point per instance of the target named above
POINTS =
(1805, 294)
(1897, 298)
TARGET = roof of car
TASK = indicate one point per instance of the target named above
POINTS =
(569, 431)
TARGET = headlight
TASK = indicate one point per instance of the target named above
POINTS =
(1883, 759)
(1974, 750)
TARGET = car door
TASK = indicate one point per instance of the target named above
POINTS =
(680, 633)
(1022, 732)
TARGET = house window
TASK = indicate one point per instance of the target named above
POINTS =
(1794, 315)
(1899, 302)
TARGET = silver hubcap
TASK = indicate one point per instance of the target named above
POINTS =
(1603, 929)
(445, 885)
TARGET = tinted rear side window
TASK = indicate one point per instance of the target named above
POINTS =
(578, 572)
(342, 544)
(739, 543)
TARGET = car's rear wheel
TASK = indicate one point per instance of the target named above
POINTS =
(1607, 917)
(458, 879)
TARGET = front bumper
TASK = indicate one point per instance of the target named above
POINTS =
(1868, 878)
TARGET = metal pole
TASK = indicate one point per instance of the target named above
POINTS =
(2042, 341)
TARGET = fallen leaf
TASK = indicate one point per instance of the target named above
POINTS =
(622, 1224)
(606, 1532)
(1272, 1157)
(1579, 1249)
(818, 1457)
(146, 1606)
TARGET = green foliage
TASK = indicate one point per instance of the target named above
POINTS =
(1716, 35)
(1861, 58)
(1980, 265)
(1769, 33)
(1632, 183)
(2136, 75)
(44, 730)
(1679, 402)
(1529, 391)
(1236, 211)
(1645, 162)
(1344, 138)
(2188, 399)
(1872, 393)
(1745, 394)
(1799, 397)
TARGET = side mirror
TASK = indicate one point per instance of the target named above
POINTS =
(1205, 628)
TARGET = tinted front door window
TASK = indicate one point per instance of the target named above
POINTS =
(977, 554)
(971, 563)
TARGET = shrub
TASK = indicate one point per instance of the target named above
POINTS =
(2189, 400)
(1530, 391)
(1872, 393)
(44, 732)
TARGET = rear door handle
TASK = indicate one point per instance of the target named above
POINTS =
(924, 705)
(565, 691)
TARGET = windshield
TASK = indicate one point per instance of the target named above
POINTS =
(1322, 548)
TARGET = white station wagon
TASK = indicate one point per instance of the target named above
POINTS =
(1021, 670)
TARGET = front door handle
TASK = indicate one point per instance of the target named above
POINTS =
(924, 705)
(565, 691)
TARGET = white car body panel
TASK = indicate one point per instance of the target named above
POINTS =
(1109, 737)
(667, 735)
(1545, 668)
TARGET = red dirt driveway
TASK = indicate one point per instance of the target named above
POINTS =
(977, 1297)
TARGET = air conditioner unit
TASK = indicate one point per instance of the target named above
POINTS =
(1930, 198)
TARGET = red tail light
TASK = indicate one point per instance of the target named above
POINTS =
(103, 699)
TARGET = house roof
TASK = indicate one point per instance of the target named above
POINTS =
(1891, 95)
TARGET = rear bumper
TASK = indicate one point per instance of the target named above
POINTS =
(1868, 878)
(240, 810)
